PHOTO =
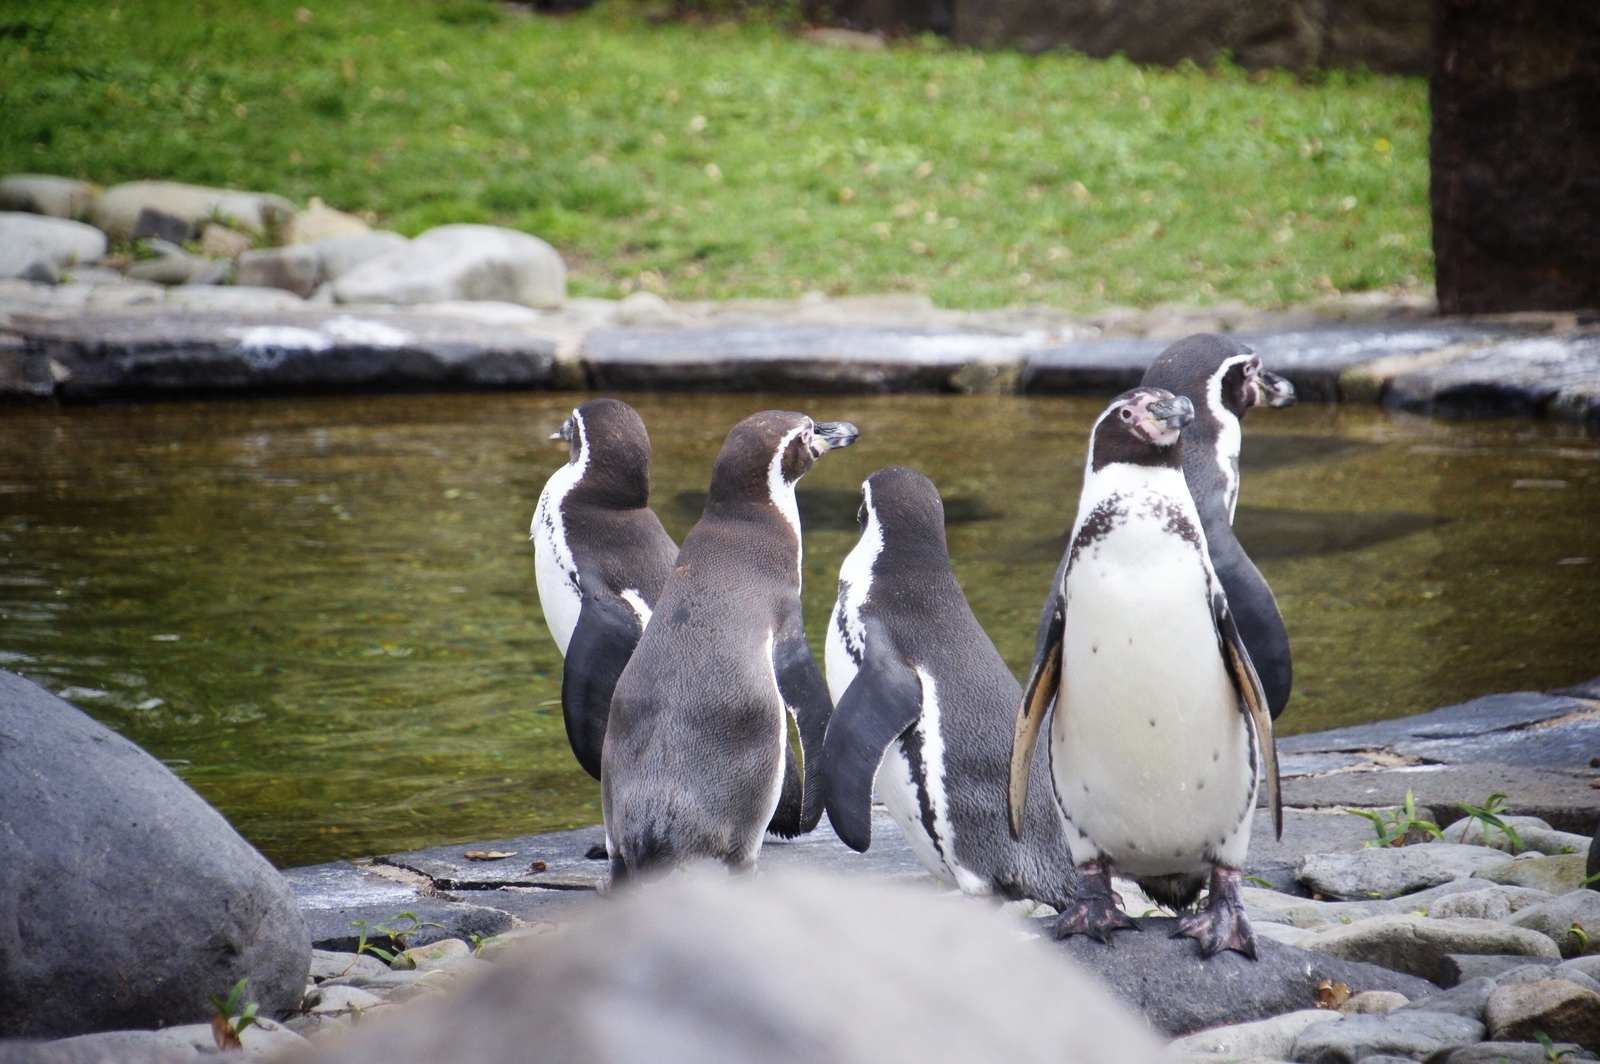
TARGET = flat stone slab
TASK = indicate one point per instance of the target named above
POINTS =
(334, 896)
(1555, 376)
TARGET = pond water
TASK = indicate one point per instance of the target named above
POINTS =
(322, 612)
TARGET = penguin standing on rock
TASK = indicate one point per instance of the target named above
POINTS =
(1159, 729)
(924, 706)
(601, 559)
(1224, 379)
(697, 761)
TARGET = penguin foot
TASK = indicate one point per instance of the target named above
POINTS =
(1098, 910)
(1222, 924)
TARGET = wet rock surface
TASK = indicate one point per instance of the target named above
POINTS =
(1409, 1035)
(1557, 1008)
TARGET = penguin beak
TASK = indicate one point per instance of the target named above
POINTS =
(1171, 414)
(567, 428)
(1272, 390)
(831, 435)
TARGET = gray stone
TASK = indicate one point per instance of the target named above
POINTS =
(1373, 1003)
(296, 269)
(1558, 916)
(1534, 834)
(1458, 968)
(117, 210)
(1560, 1009)
(159, 225)
(1388, 872)
(1514, 1053)
(1271, 1038)
(1553, 376)
(219, 242)
(1538, 973)
(172, 266)
(1556, 875)
(29, 238)
(461, 262)
(330, 964)
(382, 983)
(778, 968)
(445, 953)
(1416, 944)
(335, 896)
(334, 999)
(1589, 965)
(230, 299)
(1491, 903)
(341, 254)
(58, 197)
(1179, 992)
(321, 222)
(107, 1047)
(1413, 1035)
(1320, 915)
(265, 1037)
(1466, 999)
(110, 865)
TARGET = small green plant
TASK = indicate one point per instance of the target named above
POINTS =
(1393, 828)
(396, 936)
(230, 1019)
(1260, 882)
(1579, 937)
(1551, 1053)
(1589, 881)
(1488, 815)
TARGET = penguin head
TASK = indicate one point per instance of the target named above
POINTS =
(1219, 374)
(611, 447)
(767, 453)
(1141, 427)
(906, 506)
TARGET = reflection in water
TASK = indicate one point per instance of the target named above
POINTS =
(322, 612)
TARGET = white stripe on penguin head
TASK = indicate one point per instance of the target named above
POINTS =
(781, 492)
(1229, 435)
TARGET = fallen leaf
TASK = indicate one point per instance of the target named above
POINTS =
(224, 1034)
(1332, 995)
(489, 855)
(537, 866)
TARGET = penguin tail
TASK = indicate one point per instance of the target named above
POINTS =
(644, 851)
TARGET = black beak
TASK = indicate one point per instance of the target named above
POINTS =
(1172, 414)
(834, 434)
(1272, 390)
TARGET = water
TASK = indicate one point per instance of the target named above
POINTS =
(322, 614)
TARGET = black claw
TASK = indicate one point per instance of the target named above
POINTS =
(1097, 911)
(1222, 924)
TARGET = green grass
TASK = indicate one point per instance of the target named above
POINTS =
(730, 160)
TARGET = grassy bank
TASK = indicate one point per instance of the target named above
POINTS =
(738, 160)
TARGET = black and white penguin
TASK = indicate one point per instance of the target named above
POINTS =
(924, 704)
(601, 559)
(1159, 730)
(1224, 379)
(697, 760)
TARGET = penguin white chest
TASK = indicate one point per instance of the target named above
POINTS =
(555, 570)
(1151, 757)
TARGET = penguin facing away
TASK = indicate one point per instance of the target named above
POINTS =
(1159, 729)
(924, 705)
(1224, 379)
(601, 560)
(696, 760)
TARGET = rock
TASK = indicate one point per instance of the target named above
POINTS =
(341, 254)
(1491, 903)
(220, 242)
(1589, 965)
(1513, 1053)
(1271, 1038)
(107, 1047)
(1560, 1009)
(508, 942)
(781, 968)
(258, 213)
(1456, 968)
(1558, 916)
(54, 242)
(171, 266)
(57, 197)
(381, 983)
(110, 864)
(334, 999)
(1556, 875)
(1389, 872)
(1467, 999)
(321, 222)
(1178, 992)
(329, 964)
(1592, 867)
(264, 1037)
(1552, 376)
(1414, 1035)
(461, 262)
(1416, 944)
(1535, 834)
(161, 225)
(1514, 149)
(1373, 1003)
(296, 269)
(445, 953)
(1538, 973)
(230, 299)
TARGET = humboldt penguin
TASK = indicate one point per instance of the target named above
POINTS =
(924, 705)
(1224, 379)
(601, 558)
(697, 760)
(1159, 729)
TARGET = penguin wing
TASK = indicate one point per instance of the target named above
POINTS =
(883, 700)
(1253, 701)
(1044, 680)
(1255, 612)
(806, 694)
(607, 632)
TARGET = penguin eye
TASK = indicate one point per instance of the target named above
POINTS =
(1127, 414)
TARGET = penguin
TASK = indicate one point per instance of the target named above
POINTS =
(1223, 379)
(924, 704)
(601, 559)
(696, 759)
(1159, 733)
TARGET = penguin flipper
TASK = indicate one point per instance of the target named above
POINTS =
(605, 637)
(1044, 680)
(806, 694)
(883, 700)
(1259, 620)
(1254, 703)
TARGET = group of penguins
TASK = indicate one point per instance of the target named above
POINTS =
(1161, 662)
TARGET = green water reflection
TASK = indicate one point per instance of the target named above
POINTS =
(322, 612)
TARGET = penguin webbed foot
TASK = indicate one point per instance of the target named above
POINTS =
(1098, 910)
(1222, 923)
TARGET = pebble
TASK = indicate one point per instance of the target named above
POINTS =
(343, 999)
(1558, 916)
(445, 953)
(1374, 1003)
(1272, 1038)
(1273, 906)
(1555, 1007)
(1388, 872)
(1457, 968)
(1557, 875)
(1466, 999)
(1416, 944)
(1514, 1053)
(328, 964)
(1413, 1035)
(1490, 903)
(1538, 973)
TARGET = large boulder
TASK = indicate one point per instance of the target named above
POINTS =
(258, 213)
(58, 197)
(784, 968)
(1515, 155)
(36, 247)
(461, 262)
(124, 898)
